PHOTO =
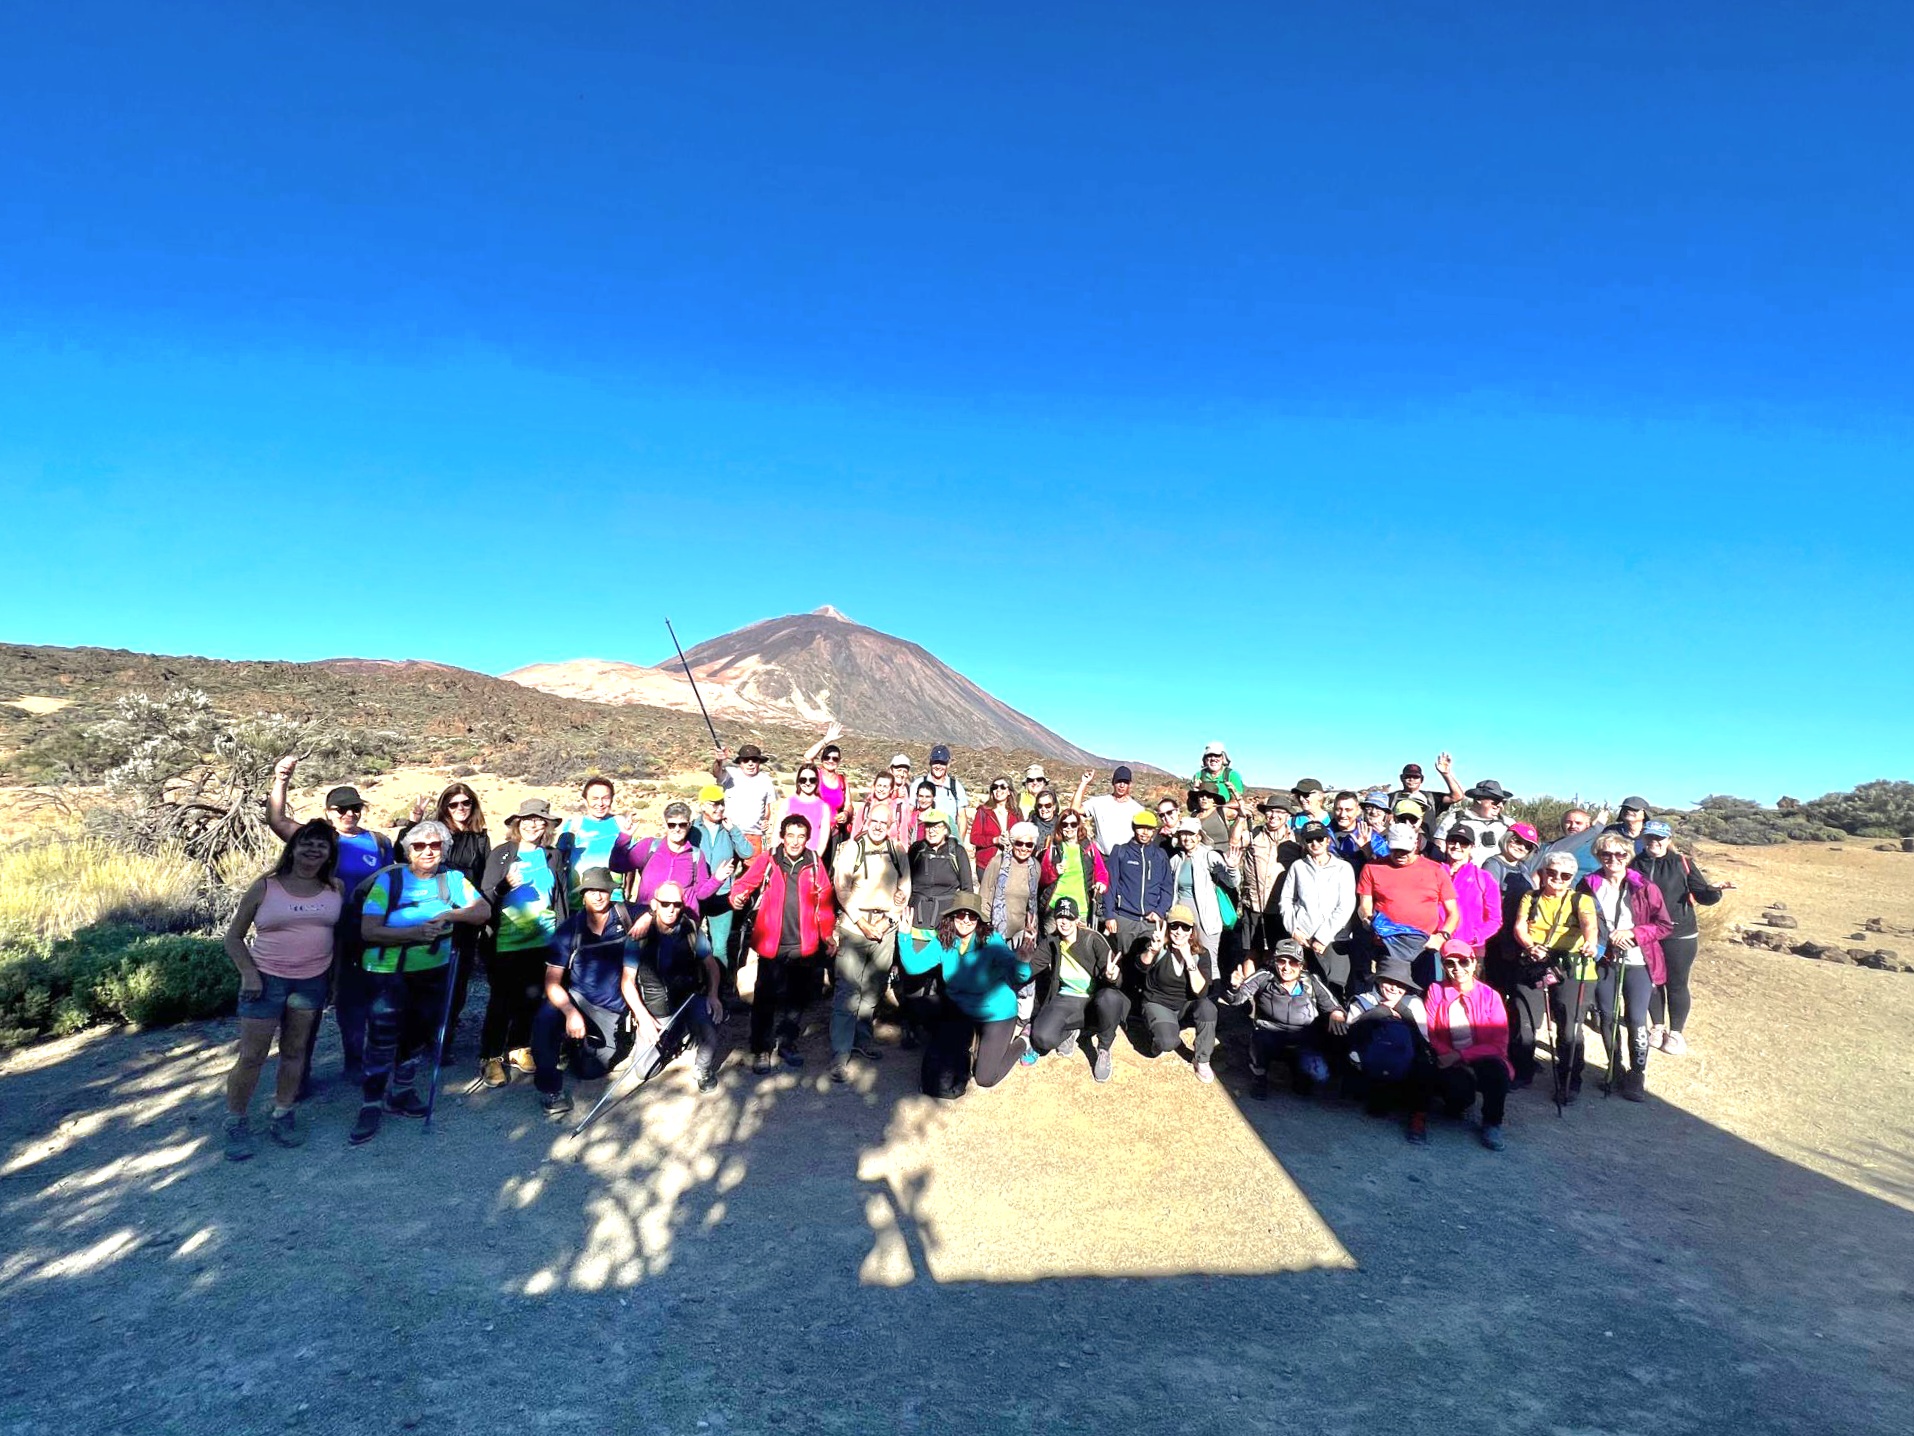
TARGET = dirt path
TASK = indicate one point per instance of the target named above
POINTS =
(1148, 1256)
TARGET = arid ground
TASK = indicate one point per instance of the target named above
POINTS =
(1148, 1256)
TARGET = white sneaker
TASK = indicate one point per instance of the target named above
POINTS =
(1674, 1044)
(1655, 1036)
(1203, 1073)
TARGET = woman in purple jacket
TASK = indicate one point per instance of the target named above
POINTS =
(1631, 920)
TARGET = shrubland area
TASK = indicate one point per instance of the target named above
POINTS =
(137, 787)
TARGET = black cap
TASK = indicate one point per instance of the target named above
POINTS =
(344, 798)
(1066, 907)
(940, 754)
(1122, 775)
(1313, 830)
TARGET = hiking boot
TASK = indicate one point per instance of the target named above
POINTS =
(286, 1131)
(555, 1104)
(1674, 1044)
(1100, 1070)
(240, 1144)
(763, 1063)
(1492, 1138)
(1203, 1072)
(1633, 1085)
(790, 1056)
(1418, 1129)
(519, 1059)
(405, 1103)
(707, 1077)
(492, 1072)
(367, 1126)
(1259, 1086)
(841, 1068)
(867, 1048)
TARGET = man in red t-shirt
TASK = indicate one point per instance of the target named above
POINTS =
(1409, 903)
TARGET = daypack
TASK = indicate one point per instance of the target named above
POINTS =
(1387, 1052)
(352, 943)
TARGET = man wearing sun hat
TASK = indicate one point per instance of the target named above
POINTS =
(1483, 817)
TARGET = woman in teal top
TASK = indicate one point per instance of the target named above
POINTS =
(525, 881)
(978, 1009)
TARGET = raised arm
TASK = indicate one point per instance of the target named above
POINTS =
(277, 818)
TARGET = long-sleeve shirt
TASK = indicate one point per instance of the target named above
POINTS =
(981, 977)
(1472, 1024)
(1141, 882)
(1318, 899)
(656, 864)
(1479, 898)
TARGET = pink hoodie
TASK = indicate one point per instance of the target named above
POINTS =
(1488, 1022)
(1480, 899)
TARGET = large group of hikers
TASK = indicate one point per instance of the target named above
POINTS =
(1411, 947)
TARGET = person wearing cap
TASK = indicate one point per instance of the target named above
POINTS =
(1469, 1035)
(1111, 812)
(1034, 782)
(588, 996)
(990, 825)
(939, 868)
(406, 924)
(1292, 1015)
(1215, 768)
(1265, 854)
(1177, 975)
(1412, 811)
(1408, 903)
(1311, 801)
(749, 791)
(1483, 818)
(1556, 933)
(1071, 867)
(1478, 897)
(974, 1030)
(794, 921)
(1084, 981)
(1372, 829)
(1631, 920)
(726, 850)
(1012, 889)
(1317, 901)
(1413, 785)
(362, 852)
(526, 883)
(1203, 881)
(1630, 819)
(900, 772)
(668, 968)
(1682, 886)
(1140, 887)
(587, 841)
(947, 789)
(811, 806)
(1390, 1066)
(871, 877)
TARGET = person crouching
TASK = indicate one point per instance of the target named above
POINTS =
(588, 994)
(1292, 1012)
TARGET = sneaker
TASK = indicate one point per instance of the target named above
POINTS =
(1030, 1057)
(492, 1072)
(791, 1057)
(1655, 1036)
(367, 1127)
(763, 1063)
(1101, 1069)
(841, 1068)
(1492, 1139)
(1674, 1044)
(1259, 1086)
(240, 1144)
(555, 1104)
(1068, 1047)
(707, 1077)
(1203, 1073)
(285, 1130)
(867, 1048)
(1418, 1130)
(405, 1103)
(519, 1059)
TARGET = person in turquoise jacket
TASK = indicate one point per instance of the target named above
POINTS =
(977, 1011)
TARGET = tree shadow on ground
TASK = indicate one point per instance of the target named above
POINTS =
(784, 1254)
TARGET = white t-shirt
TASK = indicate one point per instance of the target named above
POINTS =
(1112, 816)
(747, 799)
(1619, 917)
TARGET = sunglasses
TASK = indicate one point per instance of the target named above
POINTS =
(810, 782)
(426, 847)
(1070, 826)
(662, 903)
(1000, 787)
(1558, 873)
(1289, 962)
(963, 917)
(458, 803)
(1181, 927)
(1023, 843)
(832, 757)
(1614, 857)
(676, 827)
(1458, 962)
(351, 808)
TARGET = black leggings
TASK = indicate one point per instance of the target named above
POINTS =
(1636, 989)
(785, 988)
(1679, 954)
(947, 1056)
(1055, 1020)
(1458, 1086)
(517, 980)
(1528, 1019)
(402, 1023)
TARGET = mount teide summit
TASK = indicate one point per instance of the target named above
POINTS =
(815, 667)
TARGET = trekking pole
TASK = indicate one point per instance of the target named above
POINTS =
(1613, 1035)
(445, 1020)
(694, 684)
(640, 1062)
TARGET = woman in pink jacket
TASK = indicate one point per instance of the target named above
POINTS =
(1631, 919)
(1477, 894)
(1469, 1035)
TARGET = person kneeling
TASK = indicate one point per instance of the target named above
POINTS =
(981, 975)
(1390, 1066)
(1086, 978)
(1176, 979)
(1290, 1011)
(1469, 1034)
(588, 995)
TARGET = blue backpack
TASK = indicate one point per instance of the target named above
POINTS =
(1389, 1052)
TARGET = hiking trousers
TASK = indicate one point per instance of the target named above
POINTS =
(402, 1022)
(862, 969)
(1460, 1084)
(948, 1064)
(1167, 1024)
(517, 982)
(606, 1043)
(1063, 1014)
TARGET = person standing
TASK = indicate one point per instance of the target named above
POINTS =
(1201, 880)
(871, 879)
(1408, 902)
(1631, 920)
(674, 858)
(1483, 818)
(587, 842)
(460, 814)
(1318, 900)
(1011, 888)
(1682, 886)
(1432, 802)
(749, 791)
(939, 869)
(1556, 932)
(1478, 896)
(1206, 806)
(1141, 885)
(990, 827)
(1034, 784)
(1311, 802)
(726, 851)
(525, 883)
(1265, 854)
(947, 789)
(811, 806)
(1215, 768)
(1073, 868)
(795, 922)
(832, 786)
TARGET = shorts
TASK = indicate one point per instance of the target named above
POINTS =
(276, 994)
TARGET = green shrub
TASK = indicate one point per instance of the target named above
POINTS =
(1880, 809)
(1721, 818)
(110, 972)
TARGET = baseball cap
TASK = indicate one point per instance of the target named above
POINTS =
(1456, 947)
(1377, 799)
(1412, 770)
(1144, 819)
(1307, 785)
(1122, 775)
(900, 760)
(1656, 828)
(940, 754)
(1403, 835)
(711, 793)
(1526, 832)
(1639, 804)
(1181, 913)
(1215, 750)
(1460, 833)
(1312, 831)
(1066, 907)
(344, 798)
(1189, 825)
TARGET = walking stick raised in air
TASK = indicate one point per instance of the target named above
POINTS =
(694, 685)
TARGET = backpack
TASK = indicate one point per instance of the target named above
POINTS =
(352, 943)
(1388, 1052)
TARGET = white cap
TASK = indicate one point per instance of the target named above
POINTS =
(1215, 750)
(900, 760)
(1190, 825)
(1035, 770)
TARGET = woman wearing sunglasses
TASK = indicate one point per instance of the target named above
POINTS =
(809, 804)
(1292, 1015)
(459, 813)
(1469, 1035)
(832, 786)
(990, 827)
(1073, 868)
(674, 858)
(974, 1030)
(1632, 919)
(528, 886)
(1177, 972)
(1556, 937)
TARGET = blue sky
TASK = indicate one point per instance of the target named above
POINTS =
(1345, 381)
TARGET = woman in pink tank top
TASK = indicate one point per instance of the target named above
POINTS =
(815, 810)
(292, 915)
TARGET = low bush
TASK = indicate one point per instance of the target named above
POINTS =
(53, 888)
(1722, 818)
(110, 972)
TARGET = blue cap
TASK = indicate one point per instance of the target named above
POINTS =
(1656, 828)
(940, 754)
(1377, 799)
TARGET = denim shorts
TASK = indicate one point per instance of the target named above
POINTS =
(276, 994)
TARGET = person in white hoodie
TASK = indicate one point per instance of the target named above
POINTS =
(1197, 873)
(1318, 899)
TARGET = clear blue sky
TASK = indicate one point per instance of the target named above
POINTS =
(1344, 380)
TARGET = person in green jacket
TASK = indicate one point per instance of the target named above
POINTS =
(978, 1008)
(1216, 769)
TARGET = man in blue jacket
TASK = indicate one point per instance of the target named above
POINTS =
(1141, 886)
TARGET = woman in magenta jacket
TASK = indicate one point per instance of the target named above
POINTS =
(1478, 896)
(1469, 1036)
(1631, 920)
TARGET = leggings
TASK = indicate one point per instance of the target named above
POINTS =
(518, 989)
(1458, 1086)
(1679, 954)
(947, 1056)
(785, 988)
(1527, 1007)
(1166, 1024)
(1636, 989)
(401, 1024)
(1064, 1014)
